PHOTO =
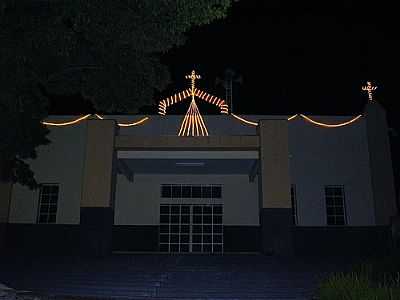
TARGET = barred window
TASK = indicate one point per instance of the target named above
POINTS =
(48, 198)
(191, 191)
(335, 205)
(191, 228)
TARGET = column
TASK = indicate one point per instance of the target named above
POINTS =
(97, 215)
(382, 179)
(275, 203)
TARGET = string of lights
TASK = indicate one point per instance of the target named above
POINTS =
(76, 121)
(213, 100)
(165, 103)
(193, 119)
(66, 123)
(244, 120)
(126, 124)
(193, 123)
(141, 121)
(308, 119)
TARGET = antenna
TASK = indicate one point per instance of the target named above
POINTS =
(230, 76)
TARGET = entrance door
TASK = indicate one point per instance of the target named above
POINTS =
(191, 228)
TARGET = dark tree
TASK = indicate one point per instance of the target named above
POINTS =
(105, 50)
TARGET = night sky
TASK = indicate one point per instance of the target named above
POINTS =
(293, 56)
(296, 56)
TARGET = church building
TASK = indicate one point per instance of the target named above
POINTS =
(210, 184)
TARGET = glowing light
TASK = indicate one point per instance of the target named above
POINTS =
(141, 121)
(193, 76)
(66, 123)
(126, 124)
(244, 120)
(213, 100)
(165, 103)
(330, 125)
(369, 88)
(292, 117)
(193, 123)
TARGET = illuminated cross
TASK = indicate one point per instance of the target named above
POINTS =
(193, 76)
(369, 88)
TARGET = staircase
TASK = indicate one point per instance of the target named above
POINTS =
(167, 277)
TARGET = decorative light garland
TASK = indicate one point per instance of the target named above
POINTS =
(330, 125)
(244, 120)
(193, 123)
(308, 119)
(66, 123)
(141, 121)
(163, 104)
(98, 117)
(213, 100)
(369, 88)
(126, 124)
(193, 119)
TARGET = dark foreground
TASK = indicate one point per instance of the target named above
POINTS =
(169, 277)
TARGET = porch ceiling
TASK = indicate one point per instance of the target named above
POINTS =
(189, 166)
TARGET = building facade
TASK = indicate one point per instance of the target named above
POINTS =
(272, 185)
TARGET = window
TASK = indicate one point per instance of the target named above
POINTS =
(191, 228)
(293, 198)
(177, 191)
(335, 207)
(48, 198)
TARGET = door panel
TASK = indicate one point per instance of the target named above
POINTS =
(191, 228)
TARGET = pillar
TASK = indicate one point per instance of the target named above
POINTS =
(97, 214)
(382, 179)
(275, 204)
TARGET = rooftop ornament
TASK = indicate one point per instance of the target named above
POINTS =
(193, 123)
(370, 89)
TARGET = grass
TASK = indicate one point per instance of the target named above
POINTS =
(374, 279)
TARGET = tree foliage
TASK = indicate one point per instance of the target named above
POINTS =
(106, 50)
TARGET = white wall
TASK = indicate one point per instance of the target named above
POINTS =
(319, 157)
(330, 156)
(137, 203)
(60, 162)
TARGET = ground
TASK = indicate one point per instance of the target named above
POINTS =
(168, 276)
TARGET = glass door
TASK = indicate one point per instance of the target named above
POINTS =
(191, 228)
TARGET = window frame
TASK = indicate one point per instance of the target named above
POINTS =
(194, 235)
(214, 189)
(343, 197)
(38, 214)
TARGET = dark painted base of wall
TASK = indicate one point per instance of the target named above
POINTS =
(3, 232)
(145, 238)
(43, 239)
(366, 240)
(276, 231)
(58, 239)
(96, 231)
(242, 239)
(135, 238)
